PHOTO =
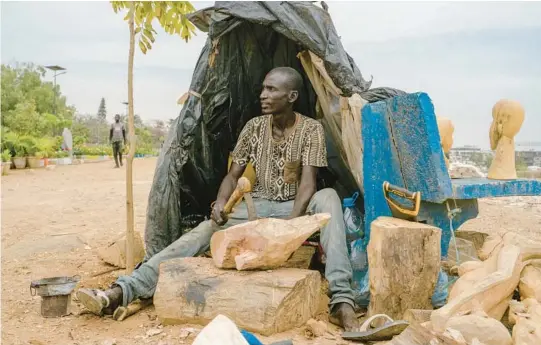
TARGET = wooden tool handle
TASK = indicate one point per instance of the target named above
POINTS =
(414, 197)
(243, 186)
(121, 313)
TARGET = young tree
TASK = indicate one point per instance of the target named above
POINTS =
(171, 15)
(102, 111)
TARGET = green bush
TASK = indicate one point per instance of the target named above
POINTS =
(6, 155)
(95, 150)
(13, 142)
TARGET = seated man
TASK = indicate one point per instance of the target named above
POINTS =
(286, 149)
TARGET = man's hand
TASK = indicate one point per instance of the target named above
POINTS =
(217, 214)
(307, 189)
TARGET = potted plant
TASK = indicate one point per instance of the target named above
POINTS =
(18, 148)
(32, 149)
(6, 161)
(46, 148)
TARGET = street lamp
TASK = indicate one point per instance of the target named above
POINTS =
(126, 104)
(55, 69)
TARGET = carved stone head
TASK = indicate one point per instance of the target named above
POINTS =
(507, 118)
(446, 129)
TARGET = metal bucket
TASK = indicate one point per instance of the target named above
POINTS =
(55, 294)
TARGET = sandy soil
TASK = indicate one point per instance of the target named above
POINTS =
(54, 221)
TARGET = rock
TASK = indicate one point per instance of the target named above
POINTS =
(109, 342)
(186, 332)
(153, 331)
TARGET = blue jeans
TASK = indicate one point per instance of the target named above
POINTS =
(142, 282)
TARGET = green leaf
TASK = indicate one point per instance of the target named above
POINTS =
(137, 30)
(142, 47)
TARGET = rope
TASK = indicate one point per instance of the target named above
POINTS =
(451, 214)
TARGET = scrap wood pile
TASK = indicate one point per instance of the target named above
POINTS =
(495, 300)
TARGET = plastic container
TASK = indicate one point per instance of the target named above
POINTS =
(352, 219)
(357, 244)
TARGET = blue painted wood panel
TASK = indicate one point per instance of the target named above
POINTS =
(417, 141)
(436, 214)
(473, 188)
(380, 162)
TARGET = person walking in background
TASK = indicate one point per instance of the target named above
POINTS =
(117, 136)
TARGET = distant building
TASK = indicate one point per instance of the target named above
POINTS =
(529, 153)
(469, 154)
(526, 153)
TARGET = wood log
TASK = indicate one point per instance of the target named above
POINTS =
(530, 281)
(301, 258)
(194, 290)
(416, 334)
(264, 243)
(417, 315)
(494, 243)
(490, 286)
(527, 330)
(404, 261)
(477, 238)
(115, 252)
(486, 329)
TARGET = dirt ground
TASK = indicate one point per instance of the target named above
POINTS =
(54, 221)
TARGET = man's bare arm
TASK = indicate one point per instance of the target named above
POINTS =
(229, 183)
(307, 189)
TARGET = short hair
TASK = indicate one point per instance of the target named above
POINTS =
(294, 78)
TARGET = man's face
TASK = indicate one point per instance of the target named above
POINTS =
(117, 118)
(276, 95)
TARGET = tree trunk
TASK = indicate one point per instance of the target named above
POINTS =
(404, 261)
(130, 261)
(195, 291)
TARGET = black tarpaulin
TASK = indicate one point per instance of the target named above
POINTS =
(245, 41)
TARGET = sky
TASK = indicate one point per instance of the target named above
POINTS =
(465, 55)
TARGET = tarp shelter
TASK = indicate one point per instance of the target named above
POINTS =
(245, 41)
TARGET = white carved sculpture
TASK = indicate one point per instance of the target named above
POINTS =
(446, 129)
(507, 118)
